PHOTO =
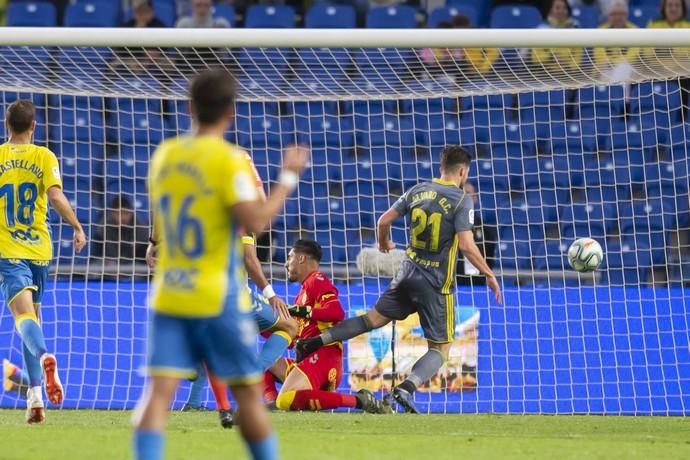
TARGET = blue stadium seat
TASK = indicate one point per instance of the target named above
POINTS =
(646, 219)
(586, 219)
(511, 255)
(550, 255)
(626, 263)
(31, 14)
(380, 130)
(326, 16)
(70, 124)
(545, 202)
(264, 63)
(679, 272)
(521, 224)
(578, 136)
(179, 121)
(298, 213)
(657, 95)
(325, 131)
(447, 13)
(641, 15)
(263, 131)
(440, 129)
(586, 16)
(392, 17)
(80, 162)
(166, 11)
(270, 16)
(324, 65)
(515, 17)
(395, 71)
(92, 15)
(334, 244)
(226, 12)
(483, 9)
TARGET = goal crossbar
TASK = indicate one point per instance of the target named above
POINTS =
(348, 38)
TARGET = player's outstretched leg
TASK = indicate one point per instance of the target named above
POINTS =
(254, 423)
(283, 330)
(422, 371)
(14, 378)
(316, 400)
(342, 331)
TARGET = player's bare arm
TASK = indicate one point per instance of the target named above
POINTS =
(383, 229)
(470, 250)
(255, 272)
(254, 216)
(152, 248)
(61, 205)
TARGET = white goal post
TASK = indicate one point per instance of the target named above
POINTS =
(568, 142)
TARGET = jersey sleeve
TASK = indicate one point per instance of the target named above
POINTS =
(257, 177)
(325, 302)
(238, 181)
(401, 205)
(51, 171)
(464, 214)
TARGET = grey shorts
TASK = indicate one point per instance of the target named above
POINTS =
(410, 292)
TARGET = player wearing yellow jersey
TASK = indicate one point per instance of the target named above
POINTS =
(202, 193)
(29, 179)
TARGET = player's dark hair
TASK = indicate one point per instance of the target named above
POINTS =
(212, 94)
(309, 248)
(20, 115)
(453, 157)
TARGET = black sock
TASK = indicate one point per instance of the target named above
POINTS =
(408, 386)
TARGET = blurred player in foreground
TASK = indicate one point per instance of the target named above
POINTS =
(270, 315)
(202, 192)
(310, 383)
(29, 178)
(442, 216)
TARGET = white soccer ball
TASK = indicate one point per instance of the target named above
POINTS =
(585, 255)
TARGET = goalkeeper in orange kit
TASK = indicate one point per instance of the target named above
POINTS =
(311, 381)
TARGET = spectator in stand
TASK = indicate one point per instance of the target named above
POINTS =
(458, 62)
(559, 16)
(144, 15)
(202, 17)
(121, 236)
(673, 16)
(616, 63)
(673, 13)
(486, 237)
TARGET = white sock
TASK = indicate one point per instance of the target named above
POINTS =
(37, 393)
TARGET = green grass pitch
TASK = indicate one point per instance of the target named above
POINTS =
(76, 435)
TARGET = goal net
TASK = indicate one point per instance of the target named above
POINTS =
(586, 139)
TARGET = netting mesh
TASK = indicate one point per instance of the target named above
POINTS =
(568, 143)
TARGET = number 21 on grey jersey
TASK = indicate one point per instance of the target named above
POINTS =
(437, 211)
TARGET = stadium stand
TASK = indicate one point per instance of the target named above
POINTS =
(562, 159)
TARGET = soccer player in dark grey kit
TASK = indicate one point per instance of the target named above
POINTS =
(441, 215)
